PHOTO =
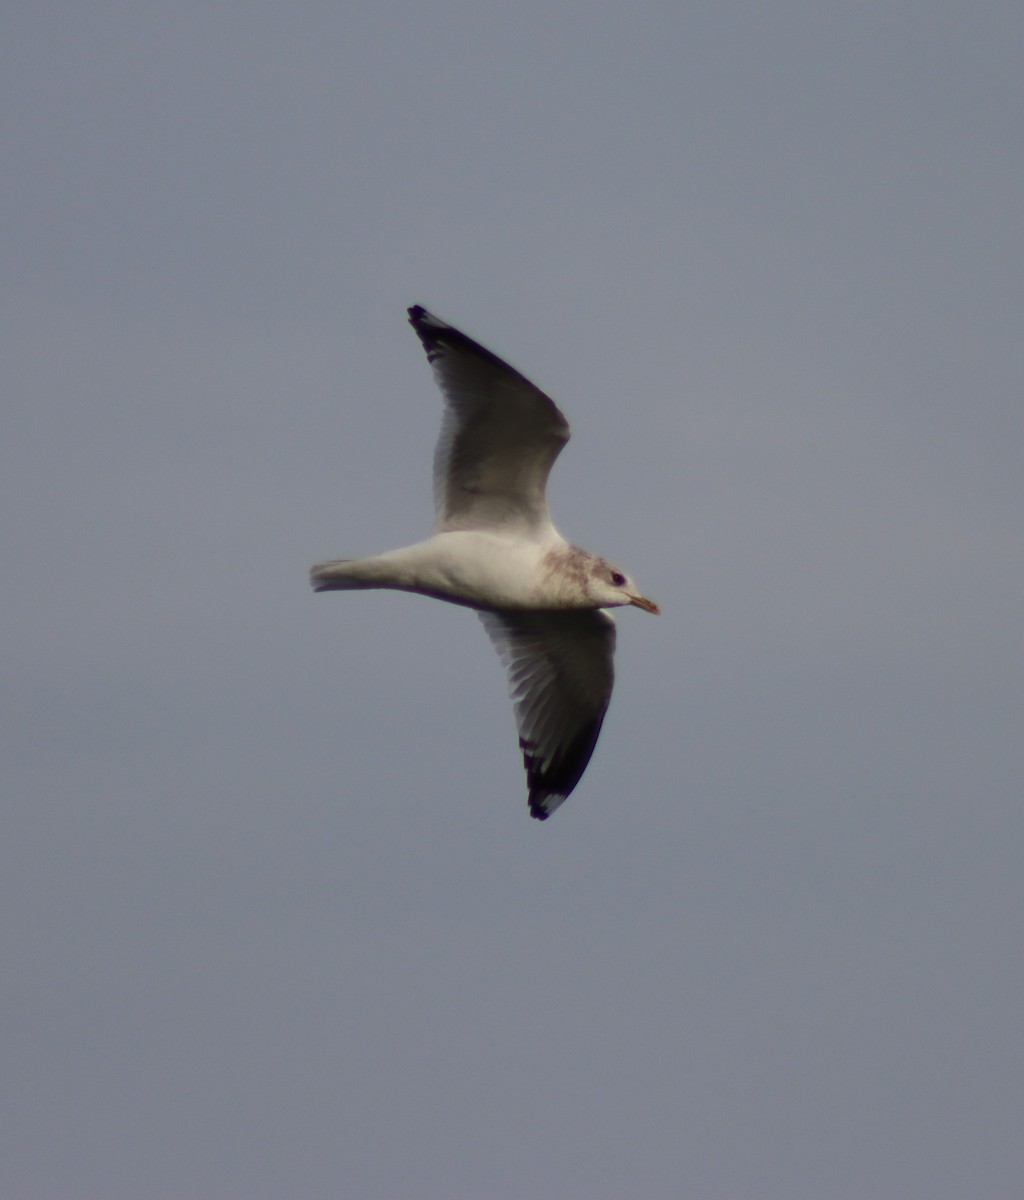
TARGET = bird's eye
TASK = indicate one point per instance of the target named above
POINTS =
(618, 579)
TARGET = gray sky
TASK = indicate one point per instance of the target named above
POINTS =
(276, 922)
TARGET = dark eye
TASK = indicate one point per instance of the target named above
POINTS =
(618, 580)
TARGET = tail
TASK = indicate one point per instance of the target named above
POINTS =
(341, 575)
(396, 569)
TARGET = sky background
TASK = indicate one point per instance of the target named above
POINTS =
(275, 921)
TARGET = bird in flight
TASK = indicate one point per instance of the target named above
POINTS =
(494, 549)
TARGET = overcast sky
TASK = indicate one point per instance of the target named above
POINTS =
(275, 920)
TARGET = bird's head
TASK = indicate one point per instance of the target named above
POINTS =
(614, 588)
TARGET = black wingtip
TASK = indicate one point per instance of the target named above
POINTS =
(429, 330)
(438, 336)
(424, 322)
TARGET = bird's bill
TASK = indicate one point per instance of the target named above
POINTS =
(645, 604)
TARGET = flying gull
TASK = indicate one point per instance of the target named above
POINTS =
(495, 550)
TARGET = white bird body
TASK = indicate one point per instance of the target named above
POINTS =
(494, 549)
(472, 567)
(478, 569)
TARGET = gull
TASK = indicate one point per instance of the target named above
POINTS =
(494, 549)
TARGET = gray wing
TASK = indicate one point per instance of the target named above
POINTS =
(499, 438)
(560, 673)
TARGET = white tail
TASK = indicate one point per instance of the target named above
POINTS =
(398, 569)
(341, 575)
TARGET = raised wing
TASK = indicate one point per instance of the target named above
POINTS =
(499, 438)
(560, 673)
